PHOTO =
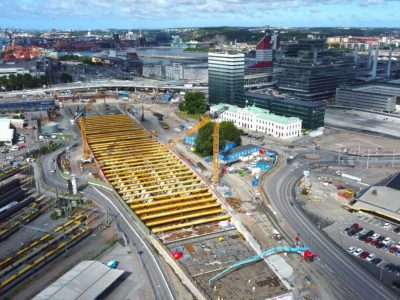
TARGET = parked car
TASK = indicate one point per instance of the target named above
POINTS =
(396, 230)
(380, 239)
(358, 251)
(370, 233)
(370, 257)
(387, 240)
(374, 242)
(346, 230)
(364, 255)
(389, 267)
(354, 226)
(386, 225)
(52, 171)
(398, 253)
(368, 240)
(363, 237)
(398, 245)
(375, 236)
(376, 260)
(387, 247)
(351, 249)
(112, 264)
(393, 249)
(380, 245)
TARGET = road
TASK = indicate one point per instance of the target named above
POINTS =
(136, 236)
(352, 279)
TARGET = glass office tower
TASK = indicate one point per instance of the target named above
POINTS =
(226, 78)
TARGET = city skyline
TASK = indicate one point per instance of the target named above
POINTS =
(152, 14)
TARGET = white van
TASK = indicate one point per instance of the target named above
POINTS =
(14, 148)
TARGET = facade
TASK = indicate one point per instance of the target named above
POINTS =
(27, 105)
(314, 75)
(226, 78)
(260, 120)
(312, 113)
(23, 67)
(153, 71)
(377, 96)
(174, 72)
(195, 73)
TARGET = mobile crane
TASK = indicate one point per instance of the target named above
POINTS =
(207, 119)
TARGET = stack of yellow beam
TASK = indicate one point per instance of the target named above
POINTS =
(159, 188)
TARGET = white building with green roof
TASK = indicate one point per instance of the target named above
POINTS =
(252, 118)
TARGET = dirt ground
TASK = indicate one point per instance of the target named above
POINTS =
(92, 246)
(339, 140)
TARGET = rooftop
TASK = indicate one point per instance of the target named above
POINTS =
(389, 89)
(87, 280)
(298, 102)
(242, 148)
(6, 134)
(259, 113)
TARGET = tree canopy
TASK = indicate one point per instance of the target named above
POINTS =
(19, 82)
(227, 132)
(195, 103)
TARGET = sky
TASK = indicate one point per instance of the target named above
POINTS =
(137, 14)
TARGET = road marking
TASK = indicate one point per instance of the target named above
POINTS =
(144, 244)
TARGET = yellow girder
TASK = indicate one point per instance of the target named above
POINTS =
(190, 224)
(157, 186)
(173, 206)
(163, 195)
(176, 200)
(184, 217)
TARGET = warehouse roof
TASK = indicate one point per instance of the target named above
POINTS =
(381, 199)
(259, 113)
(6, 133)
(87, 280)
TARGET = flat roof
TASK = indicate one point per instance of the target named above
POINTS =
(294, 101)
(242, 148)
(6, 133)
(87, 280)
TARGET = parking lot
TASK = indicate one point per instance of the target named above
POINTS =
(370, 228)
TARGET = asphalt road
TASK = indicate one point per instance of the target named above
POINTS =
(351, 279)
(157, 277)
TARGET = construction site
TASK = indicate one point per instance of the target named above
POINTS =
(171, 202)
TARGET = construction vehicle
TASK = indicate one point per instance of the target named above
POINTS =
(207, 119)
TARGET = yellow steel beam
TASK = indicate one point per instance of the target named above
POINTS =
(185, 217)
(175, 170)
(128, 200)
(190, 224)
(156, 179)
(150, 190)
(176, 200)
(174, 211)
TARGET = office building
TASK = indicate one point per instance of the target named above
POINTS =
(174, 72)
(375, 96)
(312, 113)
(260, 120)
(314, 75)
(226, 78)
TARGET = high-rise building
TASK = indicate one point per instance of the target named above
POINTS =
(226, 78)
(315, 75)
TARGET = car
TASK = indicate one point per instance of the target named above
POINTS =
(387, 225)
(396, 230)
(398, 253)
(351, 249)
(368, 240)
(387, 247)
(380, 245)
(52, 160)
(370, 233)
(112, 264)
(393, 249)
(354, 226)
(364, 255)
(352, 232)
(52, 171)
(375, 236)
(370, 257)
(362, 237)
(359, 229)
(346, 230)
(374, 242)
(22, 146)
(376, 260)
(380, 239)
(389, 266)
(34, 127)
(387, 240)
(358, 235)
(398, 245)
(358, 251)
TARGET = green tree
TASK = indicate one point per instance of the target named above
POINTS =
(227, 132)
(65, 78)
(195, 103)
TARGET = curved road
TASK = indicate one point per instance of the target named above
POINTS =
(353, 279)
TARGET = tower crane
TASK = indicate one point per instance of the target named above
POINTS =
(207, 119)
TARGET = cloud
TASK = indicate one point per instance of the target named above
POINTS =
(132, 11)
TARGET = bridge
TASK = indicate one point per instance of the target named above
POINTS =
(172, 57)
